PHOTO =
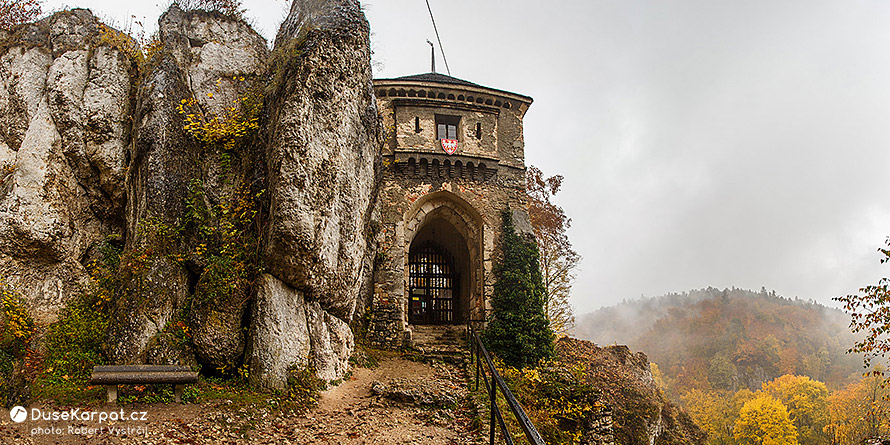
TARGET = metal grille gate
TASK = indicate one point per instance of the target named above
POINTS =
(432, 285)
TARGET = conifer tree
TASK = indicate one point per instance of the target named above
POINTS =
(519, 332)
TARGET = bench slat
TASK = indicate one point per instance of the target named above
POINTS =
(126, 378)
(140, 368)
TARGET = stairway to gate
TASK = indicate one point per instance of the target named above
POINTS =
(440, 341)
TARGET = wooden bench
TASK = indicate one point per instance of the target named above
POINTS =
(111, 376)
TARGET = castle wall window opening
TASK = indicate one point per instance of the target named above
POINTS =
(447, 126)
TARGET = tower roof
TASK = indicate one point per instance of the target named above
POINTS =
(438, 78)
(442, 79)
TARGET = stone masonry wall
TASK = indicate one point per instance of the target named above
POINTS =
(421, 182)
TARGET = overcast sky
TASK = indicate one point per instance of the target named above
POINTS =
(708, 143)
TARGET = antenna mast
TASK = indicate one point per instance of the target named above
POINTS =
(437, 38)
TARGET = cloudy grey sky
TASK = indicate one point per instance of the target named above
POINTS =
(704, 143)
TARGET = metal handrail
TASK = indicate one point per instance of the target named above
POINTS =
(477, 349)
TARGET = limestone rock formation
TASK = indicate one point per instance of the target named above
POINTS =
(331, 340)
(289, 333)
(641, 413)
(93, 143)
(201, 54)
(320, 159)
(279, 333)
(323, 143)
(65, 104)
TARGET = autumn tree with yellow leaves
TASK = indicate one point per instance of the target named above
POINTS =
(714, 411)
(744, 417)
(764, 421)
(858, 411)
(807, 403)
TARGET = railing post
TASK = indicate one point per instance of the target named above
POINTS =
(478, 361)
(493, 408)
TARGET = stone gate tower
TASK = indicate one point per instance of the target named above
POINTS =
(453, 162)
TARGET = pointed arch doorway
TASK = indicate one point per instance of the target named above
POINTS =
(439, 275)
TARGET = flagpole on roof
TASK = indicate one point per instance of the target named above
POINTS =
(442, 50)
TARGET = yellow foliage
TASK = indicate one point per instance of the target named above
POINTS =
(764, 421)
(226, 131)
(658, 376)
(807, 403)
(6, 170)
(18, 326)
(549, 394)
(859, 410)
(714, 411)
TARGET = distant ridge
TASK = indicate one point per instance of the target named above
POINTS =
(730, 338)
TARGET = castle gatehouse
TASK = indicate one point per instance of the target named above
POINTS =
(453, 162)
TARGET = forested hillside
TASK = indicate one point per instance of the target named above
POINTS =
(730, 339)
(747, 365)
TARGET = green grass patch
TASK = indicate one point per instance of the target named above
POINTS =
(69, 393)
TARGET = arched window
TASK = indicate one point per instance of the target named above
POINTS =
(432, 284)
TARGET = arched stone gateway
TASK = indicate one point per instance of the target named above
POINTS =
(453, 161)
(443, 242)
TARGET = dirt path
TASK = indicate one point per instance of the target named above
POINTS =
(398, 402)
(352, 414)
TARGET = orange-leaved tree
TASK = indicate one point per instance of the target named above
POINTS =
(558, 259)
(860, 410)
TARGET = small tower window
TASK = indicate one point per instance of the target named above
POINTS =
(478, 130)
(446, 126)
(416, 124)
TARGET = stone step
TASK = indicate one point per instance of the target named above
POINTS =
(446, 338)
(436, 338)
(437, 335)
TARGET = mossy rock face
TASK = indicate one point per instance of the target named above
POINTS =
(218, 336)
(641, 414)
(166, 349)
(141, 312)
(205, 57)
(7, 363)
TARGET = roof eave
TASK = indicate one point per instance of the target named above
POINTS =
(477, 89)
